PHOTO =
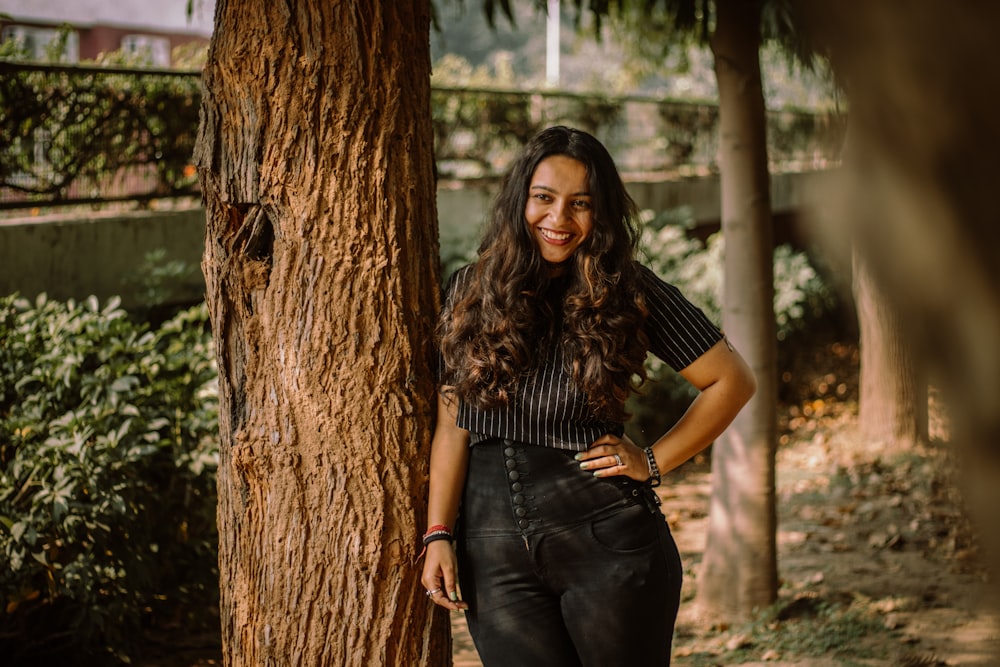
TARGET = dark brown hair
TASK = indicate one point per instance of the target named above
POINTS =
(492, 331)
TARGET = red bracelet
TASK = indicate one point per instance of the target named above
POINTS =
(435, 533)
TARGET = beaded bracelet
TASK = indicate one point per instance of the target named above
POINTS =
(654, 470)
(438, 532)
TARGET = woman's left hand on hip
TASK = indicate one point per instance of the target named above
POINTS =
(611, 455)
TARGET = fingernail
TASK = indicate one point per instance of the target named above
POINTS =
(454, 596)
(578, 456)
(583, 466)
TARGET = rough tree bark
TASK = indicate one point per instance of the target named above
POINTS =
(321, 263)
(739, 571)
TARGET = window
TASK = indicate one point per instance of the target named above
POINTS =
(154, 51)
(36, 43)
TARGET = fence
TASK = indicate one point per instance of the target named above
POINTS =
(477, 132)
(74, 135)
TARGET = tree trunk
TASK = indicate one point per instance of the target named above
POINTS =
(893, 403)
(321, 263)
(739, 570)
(919, 200)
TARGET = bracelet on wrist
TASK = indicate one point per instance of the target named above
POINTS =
(654, 470)
(435, 533)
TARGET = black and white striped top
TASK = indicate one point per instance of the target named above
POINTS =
(547, 408)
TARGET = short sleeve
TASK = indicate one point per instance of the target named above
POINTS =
(679, 332)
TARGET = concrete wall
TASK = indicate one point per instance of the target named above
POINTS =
(105, 254)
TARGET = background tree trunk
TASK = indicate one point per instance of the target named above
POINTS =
(919, 200)
(739, 570)
(893, 402)
(321, 262)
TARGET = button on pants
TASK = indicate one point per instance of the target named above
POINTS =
(561, 568)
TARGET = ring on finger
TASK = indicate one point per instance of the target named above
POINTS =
(431, 593)
(618, 460)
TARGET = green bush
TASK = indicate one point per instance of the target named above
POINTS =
(108, 452)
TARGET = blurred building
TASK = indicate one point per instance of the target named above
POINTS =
(148, 28)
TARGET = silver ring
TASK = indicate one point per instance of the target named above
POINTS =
(618, 460)
(431, 593)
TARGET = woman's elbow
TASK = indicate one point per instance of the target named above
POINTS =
(749, 385)
(744, 383)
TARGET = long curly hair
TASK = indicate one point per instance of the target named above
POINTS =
(493, 331)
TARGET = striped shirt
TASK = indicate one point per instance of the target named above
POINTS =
(546, 407)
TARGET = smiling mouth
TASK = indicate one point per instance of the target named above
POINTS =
(554, 236)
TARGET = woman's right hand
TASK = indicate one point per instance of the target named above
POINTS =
(440, 576)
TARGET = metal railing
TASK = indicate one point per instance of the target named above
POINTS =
(478, 131)
(85, 135)
(76, 135)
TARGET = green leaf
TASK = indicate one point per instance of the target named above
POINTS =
(59, 508)
(17, 530)
(123, 430)
(124, 384)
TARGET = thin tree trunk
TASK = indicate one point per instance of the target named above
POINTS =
(321, 264)
(893, 401)
(739, 570)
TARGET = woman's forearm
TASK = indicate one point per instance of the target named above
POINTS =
(726, 384)
(449, 462)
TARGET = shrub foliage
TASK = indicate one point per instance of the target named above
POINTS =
(107, 484)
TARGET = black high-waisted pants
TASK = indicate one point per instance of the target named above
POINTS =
(561, 568)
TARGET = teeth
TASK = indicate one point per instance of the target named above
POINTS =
(555, 236)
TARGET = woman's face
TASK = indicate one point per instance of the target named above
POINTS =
(559, 209)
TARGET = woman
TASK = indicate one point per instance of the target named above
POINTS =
(563, 557)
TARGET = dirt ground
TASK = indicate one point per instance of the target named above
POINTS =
(877, 562)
